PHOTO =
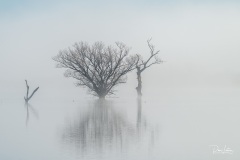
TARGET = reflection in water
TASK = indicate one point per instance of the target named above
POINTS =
(33, 111)
(142, 126)
(102, 128)
(141, 122)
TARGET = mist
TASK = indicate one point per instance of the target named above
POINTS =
(198, 43)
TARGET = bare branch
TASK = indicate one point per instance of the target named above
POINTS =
(97, 67)
(141, 65)
(28, 98)
(33, 93)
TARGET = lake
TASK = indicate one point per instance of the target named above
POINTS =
(183, 123)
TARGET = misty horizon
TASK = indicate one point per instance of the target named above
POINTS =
(189, 102)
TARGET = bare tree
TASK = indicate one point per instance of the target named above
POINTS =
(27, 98)
(141, 65)
(98, 67)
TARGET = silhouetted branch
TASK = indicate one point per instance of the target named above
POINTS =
(33, 93)
(28, 98)
(98, 67)
(27, 90)
(141, 65)
(144, 64)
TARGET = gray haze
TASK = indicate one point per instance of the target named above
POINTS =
(198, 42)
(189, 102)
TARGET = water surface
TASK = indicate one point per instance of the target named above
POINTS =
(181, 124)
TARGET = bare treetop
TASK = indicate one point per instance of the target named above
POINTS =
(27, 98)
(153, 58)
(98, 67)
(141, 65)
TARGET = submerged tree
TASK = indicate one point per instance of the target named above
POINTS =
(98, 67)
(141, 65)
(27, 98)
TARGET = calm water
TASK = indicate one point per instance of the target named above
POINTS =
(179, 124)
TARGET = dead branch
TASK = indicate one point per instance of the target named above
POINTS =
(141, 65)
(28, 98)
(98, 67)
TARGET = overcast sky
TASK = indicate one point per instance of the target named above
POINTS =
(199, 40)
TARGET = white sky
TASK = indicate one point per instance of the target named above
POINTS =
(198, 41)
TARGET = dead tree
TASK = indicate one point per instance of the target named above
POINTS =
(98, 67)
(28, 98)
(141, 65)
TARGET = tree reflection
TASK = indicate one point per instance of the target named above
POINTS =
(142, 126)
(32, 110)
(141, 122)
(100, 127)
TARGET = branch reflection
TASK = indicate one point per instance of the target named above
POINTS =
(32, 110)
(99, 127)
(102, 128)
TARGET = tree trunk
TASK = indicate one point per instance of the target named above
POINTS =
(139, 78)
(102, 96)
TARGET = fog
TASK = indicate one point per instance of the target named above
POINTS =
(198, 42)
